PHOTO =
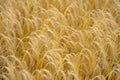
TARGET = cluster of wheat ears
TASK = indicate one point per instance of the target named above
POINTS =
(59, 39)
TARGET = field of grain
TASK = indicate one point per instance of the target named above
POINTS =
(59, 39)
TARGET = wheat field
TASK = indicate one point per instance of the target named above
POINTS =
(59, 39)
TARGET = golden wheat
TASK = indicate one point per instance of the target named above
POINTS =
(59, 39)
